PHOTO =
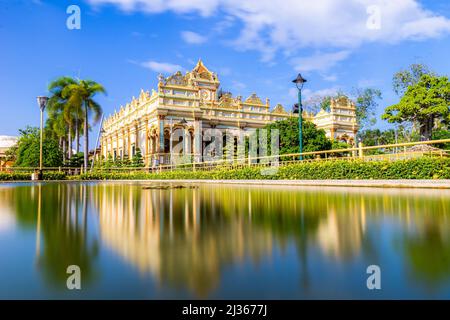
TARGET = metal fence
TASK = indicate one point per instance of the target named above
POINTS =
(389, 152)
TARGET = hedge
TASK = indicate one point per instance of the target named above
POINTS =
(24, 176)
(422, 168)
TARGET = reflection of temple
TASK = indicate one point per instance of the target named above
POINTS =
(167, 233)
(173, 119)
(340, 235)
(189, 239)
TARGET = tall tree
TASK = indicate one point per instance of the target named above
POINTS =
(82, 93)
(27, 149)
(58, 106)
(366, 103)
(424, 102)
(408, 77)
(313, 139)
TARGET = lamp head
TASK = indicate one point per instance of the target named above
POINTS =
(299, 81)
(42, 102)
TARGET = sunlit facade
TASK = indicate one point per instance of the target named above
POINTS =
(174, 117)
(6, 142)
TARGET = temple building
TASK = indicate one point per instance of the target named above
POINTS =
(339, 122)
(6, 142)
(185, 105)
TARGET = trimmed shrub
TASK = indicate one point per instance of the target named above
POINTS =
(422, 168)
(26, 176)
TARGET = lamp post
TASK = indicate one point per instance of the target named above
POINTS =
(42, 102)
(299, 82)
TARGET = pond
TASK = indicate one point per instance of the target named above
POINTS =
(145, 240)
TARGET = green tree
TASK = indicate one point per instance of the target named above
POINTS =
(409, 77)
(423, 103)
(313, 139)
(366, 102)
(109, 163)
(118, 163)
(62, 114)
(137, 160)
(126, 162)
(442, 134)
(82, 93)
(76, 161)
(27, 152)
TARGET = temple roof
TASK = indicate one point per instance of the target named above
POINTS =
(279, 109)
(200, 67)
(254, 99)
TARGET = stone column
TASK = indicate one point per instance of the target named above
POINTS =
(129, 142)
(123, 144)
(117, 145)
(136, 130)
(332, 132)
(147, 141)
(103, 146)
(198, 140)
(186, 141)
(161, 138)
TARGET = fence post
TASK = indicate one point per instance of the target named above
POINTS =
(360, 150)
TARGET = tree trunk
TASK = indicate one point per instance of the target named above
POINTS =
(64, 148)
(77, 136)
(86, 137)
(69, 142)
(426, 128)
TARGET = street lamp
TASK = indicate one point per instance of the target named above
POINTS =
(299, 82)
(42, 102)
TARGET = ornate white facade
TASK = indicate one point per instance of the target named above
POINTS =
(183, 106)
(339, 122)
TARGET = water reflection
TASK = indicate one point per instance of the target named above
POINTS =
(187, 239)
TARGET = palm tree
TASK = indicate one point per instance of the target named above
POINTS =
(82, 94)
(58, 106)
(56, 127)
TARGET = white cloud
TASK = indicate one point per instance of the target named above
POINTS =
(161, 67)
(320, 61)
(329, 77)
(309, 94)
(203, 7)
(237, 85)
(193, 38)
(289, 25)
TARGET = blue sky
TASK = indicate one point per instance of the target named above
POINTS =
(255, 46)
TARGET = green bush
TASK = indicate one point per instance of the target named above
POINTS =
(14, 176)
(422, 168)
(25, 176)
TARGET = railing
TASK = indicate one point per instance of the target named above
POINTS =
(390, 152)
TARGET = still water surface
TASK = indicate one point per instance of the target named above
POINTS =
(222, 241)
